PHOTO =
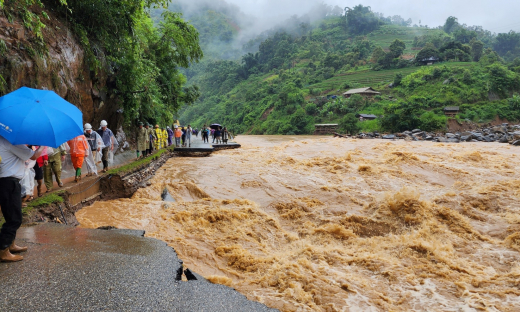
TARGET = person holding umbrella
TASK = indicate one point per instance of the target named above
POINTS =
(12, 169)
(28, 117)
(108, 140)
(217, 134)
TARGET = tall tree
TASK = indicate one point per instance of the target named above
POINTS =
(451, 24)
(361, 20)
(397, 48)
(377, 54)
(476, 49)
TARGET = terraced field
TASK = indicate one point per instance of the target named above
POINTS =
(387, 34)
(372, 78)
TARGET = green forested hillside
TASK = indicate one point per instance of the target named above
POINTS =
(135, 63)
(282, 88)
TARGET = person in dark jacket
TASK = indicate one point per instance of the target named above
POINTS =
(183, 137)
(12, 170)
(108, 140)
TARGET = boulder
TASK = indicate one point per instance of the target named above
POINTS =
(428, 138)
(453, 140)
(516, 143)
(416, 130)
(450, 135)
(503, 139)
(389, 137)
(499, 129)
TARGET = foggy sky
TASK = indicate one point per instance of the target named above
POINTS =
(494, 15)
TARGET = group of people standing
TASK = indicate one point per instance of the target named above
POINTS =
(149, 139)
(219, 134)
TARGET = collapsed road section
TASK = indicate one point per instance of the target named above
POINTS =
(75, 269)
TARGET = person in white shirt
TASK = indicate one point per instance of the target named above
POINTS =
(12, 169)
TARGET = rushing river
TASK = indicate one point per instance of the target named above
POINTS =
(306, 223)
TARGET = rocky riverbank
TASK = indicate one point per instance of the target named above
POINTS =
(504, 133)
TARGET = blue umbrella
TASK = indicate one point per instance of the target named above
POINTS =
(38, 117)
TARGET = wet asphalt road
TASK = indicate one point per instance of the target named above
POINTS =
(74, 269)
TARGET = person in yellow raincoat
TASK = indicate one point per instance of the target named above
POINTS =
(164, 142)
(159, 140)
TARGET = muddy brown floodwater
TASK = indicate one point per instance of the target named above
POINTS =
(326, 224)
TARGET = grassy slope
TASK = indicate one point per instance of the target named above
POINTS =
(367, 77)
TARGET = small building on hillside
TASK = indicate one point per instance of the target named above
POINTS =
(366, 116)
(429, 61)
(451, 111)
(361, 91)
(322, 129)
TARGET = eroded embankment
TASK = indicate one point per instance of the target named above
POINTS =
(323, 224)
(122, 182)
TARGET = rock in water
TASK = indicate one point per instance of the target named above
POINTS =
(166, 196)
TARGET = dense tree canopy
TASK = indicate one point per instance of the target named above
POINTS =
(361, 20)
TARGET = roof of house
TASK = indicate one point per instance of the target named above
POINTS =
(367, 116)
(362, 90)
(431, 58)
(451, 108)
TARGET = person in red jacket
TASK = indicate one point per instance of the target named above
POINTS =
(38, 170)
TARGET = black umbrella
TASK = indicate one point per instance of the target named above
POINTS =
(215, 126)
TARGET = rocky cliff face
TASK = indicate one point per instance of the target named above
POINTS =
(63, 69)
